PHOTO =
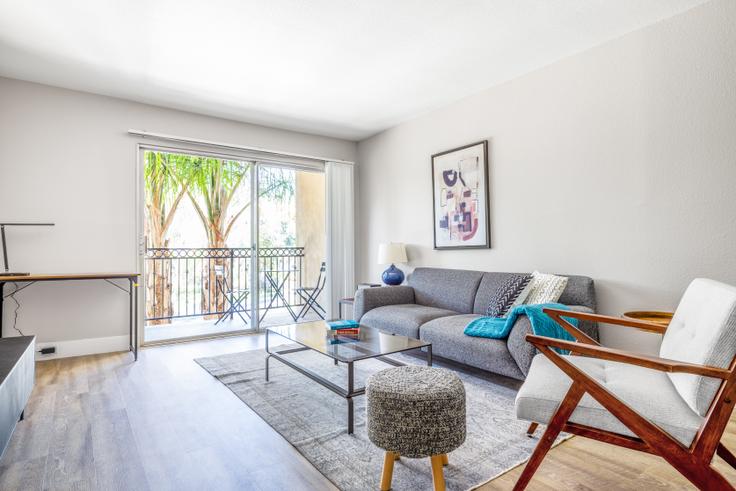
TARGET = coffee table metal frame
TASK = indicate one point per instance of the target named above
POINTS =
(351, 391)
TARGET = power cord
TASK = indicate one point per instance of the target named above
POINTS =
(17, 308)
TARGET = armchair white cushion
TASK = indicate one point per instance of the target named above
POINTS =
(649, 392)
(702, 331)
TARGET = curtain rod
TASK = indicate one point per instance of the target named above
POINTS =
(207, 143)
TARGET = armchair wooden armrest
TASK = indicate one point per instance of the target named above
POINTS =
(606, 319)
(647, 361)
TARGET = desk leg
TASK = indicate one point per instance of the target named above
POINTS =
(2, 300)
(135, 317)
(130, 314)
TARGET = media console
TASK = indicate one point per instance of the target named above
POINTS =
(17, 372)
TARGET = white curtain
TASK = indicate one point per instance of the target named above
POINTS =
(340, 203)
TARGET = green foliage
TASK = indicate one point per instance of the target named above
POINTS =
(211, 185)
(166, 180)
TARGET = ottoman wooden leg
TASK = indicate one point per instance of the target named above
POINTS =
(438, 477)
(532, 429)
(388, 470)
(445, 459)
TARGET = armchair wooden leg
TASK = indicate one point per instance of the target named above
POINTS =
(445, 459)
(726, 455)
(388, 470)
(438, 476)
(706, 478)
(564, 411)
(532, 429)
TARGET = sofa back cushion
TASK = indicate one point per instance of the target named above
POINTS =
(452, 289)
(702, 331)
(580, 290)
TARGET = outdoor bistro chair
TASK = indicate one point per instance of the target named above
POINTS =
(675, 405)
(311, 294)
(233, 297)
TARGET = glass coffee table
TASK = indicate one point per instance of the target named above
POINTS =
(369, 343)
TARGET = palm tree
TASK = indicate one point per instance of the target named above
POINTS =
(166, 184)
(214, 184)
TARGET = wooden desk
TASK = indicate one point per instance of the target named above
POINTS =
(108, 277)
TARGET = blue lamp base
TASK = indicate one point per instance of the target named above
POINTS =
(393, 276)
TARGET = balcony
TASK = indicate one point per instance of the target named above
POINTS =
(187, 290)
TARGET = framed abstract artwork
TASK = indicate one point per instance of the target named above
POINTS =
(460, 197)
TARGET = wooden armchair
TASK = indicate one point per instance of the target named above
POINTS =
(675, 405)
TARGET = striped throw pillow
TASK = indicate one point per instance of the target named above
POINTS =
(506, 294)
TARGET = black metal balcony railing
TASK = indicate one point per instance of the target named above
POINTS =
(181, 282)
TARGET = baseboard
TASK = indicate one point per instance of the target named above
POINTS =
(79, 347)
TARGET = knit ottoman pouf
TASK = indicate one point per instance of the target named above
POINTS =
(416, 412)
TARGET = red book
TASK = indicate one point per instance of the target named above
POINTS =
(352, 330)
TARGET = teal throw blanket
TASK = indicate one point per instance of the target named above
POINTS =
(542, 324)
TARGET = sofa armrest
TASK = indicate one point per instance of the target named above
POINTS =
(370, 298)
(522, 351)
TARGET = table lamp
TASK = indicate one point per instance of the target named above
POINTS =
(390, 253)
(5, 246)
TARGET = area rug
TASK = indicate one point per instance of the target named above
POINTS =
(314, 420)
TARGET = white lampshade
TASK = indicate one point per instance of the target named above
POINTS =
(392, 252)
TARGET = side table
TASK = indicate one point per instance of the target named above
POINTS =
(344, 301)
(351, 300)
(656, 317)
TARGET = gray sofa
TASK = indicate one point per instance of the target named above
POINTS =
(437, 304)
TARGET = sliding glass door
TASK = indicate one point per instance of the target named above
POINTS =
(291, 244)
(231, 245)
(198, 257)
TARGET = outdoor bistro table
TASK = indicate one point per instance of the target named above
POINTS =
(278, 292)
(316, 336)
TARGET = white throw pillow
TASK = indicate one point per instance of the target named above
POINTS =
(545, 288)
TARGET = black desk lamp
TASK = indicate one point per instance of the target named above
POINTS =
(5, 246)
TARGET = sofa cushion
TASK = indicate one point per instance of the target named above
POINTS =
(449, 341)
(403, 319)
(580, 290)
(370, 298)
(650, 392)
(452, 289)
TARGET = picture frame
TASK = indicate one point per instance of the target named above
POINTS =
(461, 198)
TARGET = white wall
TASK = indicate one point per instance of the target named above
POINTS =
(65, 157)
(618, 163)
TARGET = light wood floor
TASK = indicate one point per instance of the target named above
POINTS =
(104, 422)
(580, 463)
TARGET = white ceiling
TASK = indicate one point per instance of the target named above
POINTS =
(345, 68)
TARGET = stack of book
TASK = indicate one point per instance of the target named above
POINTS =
(344, 328)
